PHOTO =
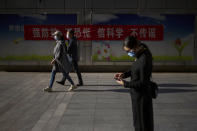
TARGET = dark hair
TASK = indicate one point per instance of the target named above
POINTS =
(62, 38)
(71, 32)
(130, 42)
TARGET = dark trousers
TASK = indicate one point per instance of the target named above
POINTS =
(143, 113)
(76, 68)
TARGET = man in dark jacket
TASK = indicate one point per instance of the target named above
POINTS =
(73, 53)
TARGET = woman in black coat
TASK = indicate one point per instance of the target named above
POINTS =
(140, 74)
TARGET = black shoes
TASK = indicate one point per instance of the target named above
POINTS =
(80, 84)
(60, 82)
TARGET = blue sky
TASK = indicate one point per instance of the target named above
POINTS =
(34, 19)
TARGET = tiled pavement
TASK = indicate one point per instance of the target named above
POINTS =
(100, 105)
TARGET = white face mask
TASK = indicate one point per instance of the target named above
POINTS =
(55, 37)
(131, 53)
(67, 36)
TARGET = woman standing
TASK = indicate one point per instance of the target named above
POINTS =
(140, 91)
(60, 62)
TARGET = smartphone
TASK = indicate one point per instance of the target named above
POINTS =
(116, 78)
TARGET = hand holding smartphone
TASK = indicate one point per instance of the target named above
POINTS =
(118, 76)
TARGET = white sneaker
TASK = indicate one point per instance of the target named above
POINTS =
(47, 89)
(72, 87)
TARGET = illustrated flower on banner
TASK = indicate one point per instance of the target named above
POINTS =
(103, 51)
(179, 46)
(106, 51)
(178, 41)
(99, 53)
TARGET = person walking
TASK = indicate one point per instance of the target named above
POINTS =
(60, 62)
(140, 74)
(73, 54)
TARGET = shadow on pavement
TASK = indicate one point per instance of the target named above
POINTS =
(176, 85)
(162, 88)
(112, 90)
(175, 90)
(127, 90)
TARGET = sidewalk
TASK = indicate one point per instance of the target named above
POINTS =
(100, 105)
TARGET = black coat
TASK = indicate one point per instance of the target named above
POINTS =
(140, 90)
(73, 49)
(140, 72)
